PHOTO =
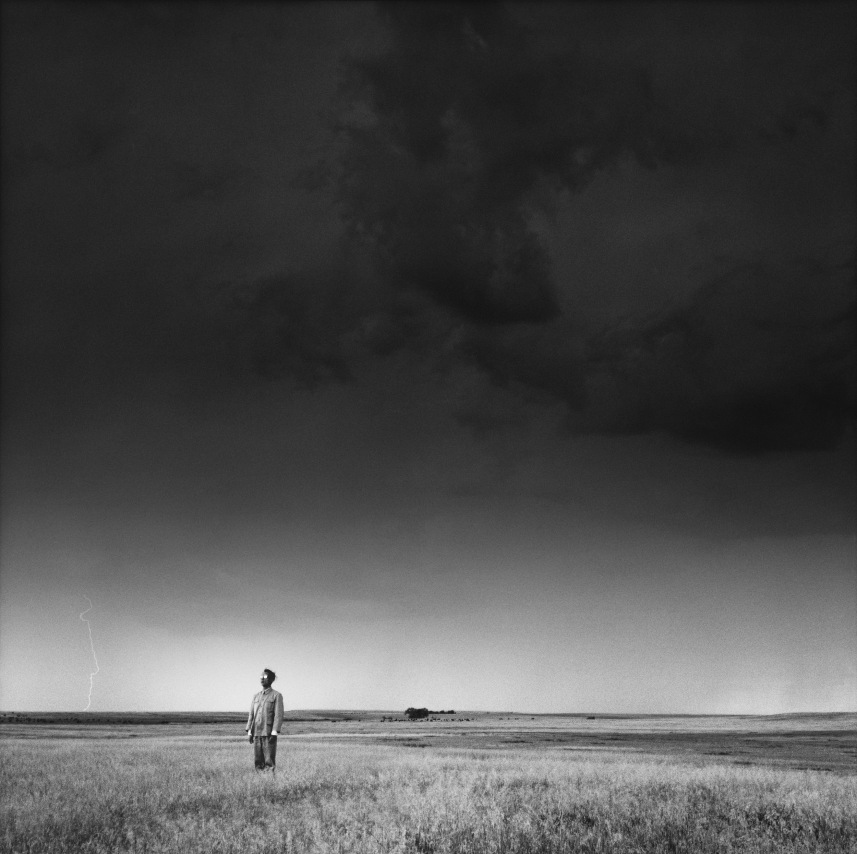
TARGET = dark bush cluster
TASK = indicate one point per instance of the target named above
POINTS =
(417, 714)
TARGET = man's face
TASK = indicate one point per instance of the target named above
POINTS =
(266, 680)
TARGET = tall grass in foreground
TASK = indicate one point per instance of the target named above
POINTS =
(196, 795)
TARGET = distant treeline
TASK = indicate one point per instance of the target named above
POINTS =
(415, 714)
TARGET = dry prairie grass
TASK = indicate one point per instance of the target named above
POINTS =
(186, 794)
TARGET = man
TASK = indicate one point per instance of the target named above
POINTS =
(264, 722)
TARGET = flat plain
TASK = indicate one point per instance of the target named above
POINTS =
(463, 782)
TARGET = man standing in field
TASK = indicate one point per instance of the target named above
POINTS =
(264, 722)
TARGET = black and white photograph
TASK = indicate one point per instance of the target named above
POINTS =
(428, 427)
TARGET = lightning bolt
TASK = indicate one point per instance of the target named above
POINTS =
(92, 647)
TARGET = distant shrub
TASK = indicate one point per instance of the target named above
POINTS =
(415, 714)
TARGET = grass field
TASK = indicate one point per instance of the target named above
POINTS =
(493, 783)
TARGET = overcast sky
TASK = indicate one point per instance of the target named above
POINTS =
(470, 356)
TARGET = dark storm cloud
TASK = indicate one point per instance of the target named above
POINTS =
(761, 359)
(146, 244)
(293, 325)
(145, 149)
(542, 358)
(470, 119)
(461, 121)
(462, 127)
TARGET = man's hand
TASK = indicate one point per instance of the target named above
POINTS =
(274, 734)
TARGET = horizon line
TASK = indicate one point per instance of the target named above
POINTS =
(91, 712)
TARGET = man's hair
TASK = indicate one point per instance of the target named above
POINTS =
(270, 673)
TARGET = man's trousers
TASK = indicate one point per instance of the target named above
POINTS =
(265, 752)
